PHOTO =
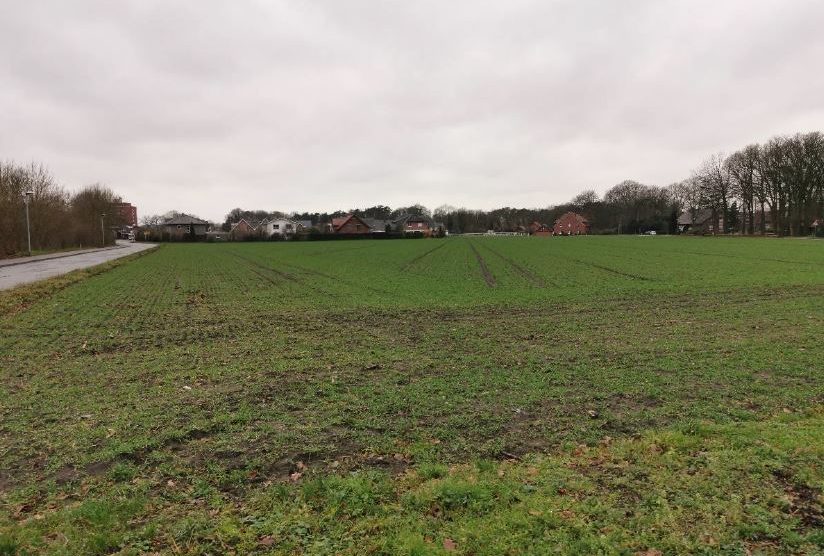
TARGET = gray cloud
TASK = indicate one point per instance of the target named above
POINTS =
(204, 106)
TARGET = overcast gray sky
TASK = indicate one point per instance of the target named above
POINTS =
(299, 105)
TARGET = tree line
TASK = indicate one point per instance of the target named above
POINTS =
(380, 212)
(775, 187)
(58, 219)
(781, 181)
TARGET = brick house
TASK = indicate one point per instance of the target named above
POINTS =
(185, 225)
(414, 224)
(242, 230)
(571, 224)
(350, 224)
(540, 230)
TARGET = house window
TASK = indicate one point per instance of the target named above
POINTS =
(187, 229)
(288, 226)
(276, 226)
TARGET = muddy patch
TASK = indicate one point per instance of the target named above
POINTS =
(805, 501)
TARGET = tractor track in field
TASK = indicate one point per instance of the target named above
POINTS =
(284, 275)
(733, 256)
(256, 267)
(525, 273)
(606, 268)
(489, 278)
(421, 256)
(612, 270)
(313, 272)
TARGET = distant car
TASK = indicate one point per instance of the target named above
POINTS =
(651, 233)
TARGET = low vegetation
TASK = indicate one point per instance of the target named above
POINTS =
(646, 395)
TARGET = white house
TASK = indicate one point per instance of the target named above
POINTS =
(279, 226)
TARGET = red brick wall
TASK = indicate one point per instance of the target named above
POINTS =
(419, 227)
(242, 230)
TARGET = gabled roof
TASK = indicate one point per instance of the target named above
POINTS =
(305, 223)
(184, 220)
(236, 224)
(700, 217)
(575, 215)
(338, 223)
(377, 224)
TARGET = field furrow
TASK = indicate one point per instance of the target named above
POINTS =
(513, 394)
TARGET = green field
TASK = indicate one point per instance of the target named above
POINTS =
(626, 395)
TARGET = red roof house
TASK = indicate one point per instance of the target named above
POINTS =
(350, 224)
(571, 224)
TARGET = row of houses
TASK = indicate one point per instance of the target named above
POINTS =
(277, 227)
(349, 225)
(186, 227)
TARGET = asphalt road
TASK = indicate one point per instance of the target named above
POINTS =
(15, 273)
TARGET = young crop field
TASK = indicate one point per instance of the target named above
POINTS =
(613, 395)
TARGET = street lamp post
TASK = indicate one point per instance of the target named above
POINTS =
(103, 229)
(26, 197)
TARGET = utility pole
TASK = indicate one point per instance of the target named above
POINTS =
(103, 229)
(26, 197)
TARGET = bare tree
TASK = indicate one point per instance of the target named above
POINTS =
(743, 170)
(151, 220)
(47, 209)
(802, 175)
(91, 210)
(771, 167)
(715, 185)
(585, 199)
(686, 197)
